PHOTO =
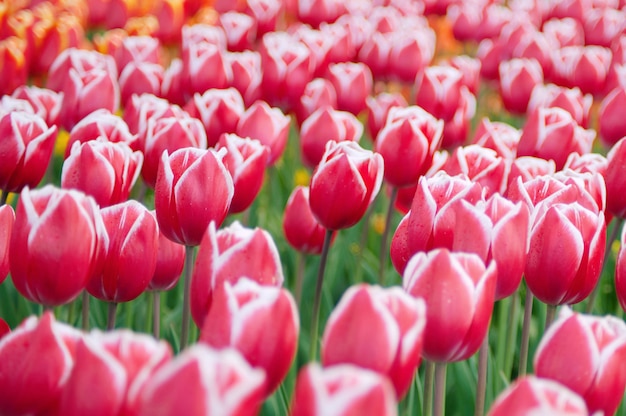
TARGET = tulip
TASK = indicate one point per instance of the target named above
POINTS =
(140, 78)
(210, 381)
(50, 35)
(396, 317)
(333, 203)
(268, 125)
(240, 30)
(247, 75)
(35, 361)
(226, 256)
(611, 126)
(300, 227)
(411, 50)
(615, 179)
(49, 265)
(169, 134)
(169, 264)
(184, 213)
(107, 171)
(14, 68)
(585, 67)
(602, 26)
(595, 368)
(261, 322)
(7, 218)
(171, 19)
(314, 12)
(26, 147)
(455, 131)
(587, 163)
(4, 328)
(518, 77)
(498, 136)
(137, 49)
(342, 390)
(533, 395)
(101, 124)
(353, 83)
(317, 94)
(552, 133)
(375, 53)
(320, 43)
(338, 126)
(9, 104)
(378, 108)
(470, 70)
(458, 289)
(266, 14)
(173, 88)
(536, 46)
(46, 103)
(219, 111)
(142, 108)
(438, 91)
(565, 31)
(570, 99)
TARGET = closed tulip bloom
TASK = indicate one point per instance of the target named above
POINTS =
(240, 30)
(26, 147)
(344, 184)
(342, 390)
(247, 74)
(300, 227)
(35, 361)
(610, 117)
(261, 322)
(137, 49)
(458, 290)
(144, 107)
(13, 63)
(564, 31)
(616, 179)
(585, 67)
(438, 91)
(396, 317)
(533, 395)
(353, 83)
(315, 12)
(101, 123)
(578, 235)
(212, 382)
(78, 59)
(498, 136)
(169, 264)
(338, 126)
(226, 256)
(317, 94)
(140, 78)
(595, 368)
(184, 213)
(265, 13)
(206, 67)
(245, 161)
(456, 130)
(107, 171)
(46, 103)
(219, 111)
(571, 99)
(269, 125)
(55, 244)
(415, 47)
(518, 77)
(603, 25)
(7, 218)
(378, 108)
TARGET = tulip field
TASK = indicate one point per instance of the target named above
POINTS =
(312, 207)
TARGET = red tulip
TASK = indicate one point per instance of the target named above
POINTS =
(396, 318)
(595, 368)
(342, 390)
(140, 78)
(338, 126)
(5, 329)
(610, 116)
(219, 111)
(171, 18)
(498, 136)
(317, 94)
(55, 244)
(144, 107)
(46, 103)
(226, 256)
(205, 66)
(7, 218)
(261, 322)
(353, 83)
(268, 125)
(411, 50)
(245, 161)
(344, 184)
(532, 395)
(518, 77)
(459, 293)
(378, 108)
(616, 180)
(184, 213)
(35, 361)
(14, 68)
(101, 123)
(169, 264)
(300, 227)
(26, 147)
(407, 143)
(107, 171)
(247, 74)
(570, 99)
(204, 381)
(438, 91)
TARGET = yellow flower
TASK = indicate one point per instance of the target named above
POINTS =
(302, 177)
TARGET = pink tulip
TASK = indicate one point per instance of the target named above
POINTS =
(455, 131)
(536, 46)
(603, 25)
(142, 108)
(173, 87)
(397, 318)
(300, 227)
(334, 204)
(247, 75)
(563, 32)
(620, 272)
(570, 99)
(137, 49)
(80, 60)
(7, 218)
(594, 369)
(353, 83)
(169, 264)
(470, 68)
(438, 91)
(375, 53)
(210, 381)
(184, 213)
(226, 256)
(266, 14)
(240, 30)
(261, 322)
(615, 179)
(585, 67)
(314, 12)
(529, 167)
(317, 94)
(319, 43)
(611, 126)
(49, 264)
(518, 77)
(140, 78)
(498, 136)
(13, 63)
(533, 395)
(245, 161)
(107, 171)
(26, 147)
(219, 111)
(411, 50)
(342, 390)
(101, 123)
(590, 162)
(46, 103)
(378, 108)
(458, 290)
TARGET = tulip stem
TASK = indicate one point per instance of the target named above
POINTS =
(156, 313)
(523, 352)
(385, 236)
(550, 314)
(440, 389)
(318, 295)
(429, 380)
(184, 333)
(511, 334)
(4, 197)
(112, 310)
(85, 310)
(481, 384)
(617, 224)
(300, 263)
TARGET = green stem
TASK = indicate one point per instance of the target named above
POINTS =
(440, 389)
(156, 314)
(358, 275)
(300, 262)
(184, 333)
(85, 311)
(318, 295)
(429, 380)
(112, 310)
(511, 332)
(71, 311)
(617, 224)
(4, 197)
(385, 236)
(523, 352)
(550, 314)
(481, 384)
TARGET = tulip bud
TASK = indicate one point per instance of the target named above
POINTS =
(335, 204)
(184, 213)
(317, 94)
(443, 278)
(396, 317)
(570, 99)
(247, 75)
(142, 108)
(169, 264)
(353, 83)
(342, 390)
(240, 30)
(46, 103)
(137, 49)
(518, 77)
(140, 78)
(268, 125)
(300, 227)
(378, 108)
(101, 123)
(610, 116)
(438, 91)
